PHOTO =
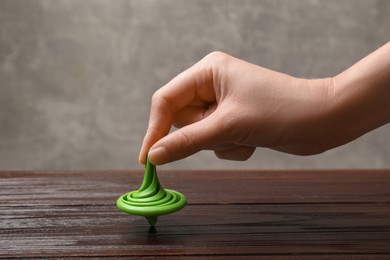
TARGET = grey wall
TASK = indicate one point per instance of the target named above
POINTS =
(76, 76)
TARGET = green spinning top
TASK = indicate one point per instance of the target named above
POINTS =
(151, 199)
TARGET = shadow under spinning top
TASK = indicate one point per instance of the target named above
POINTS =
(151, 199)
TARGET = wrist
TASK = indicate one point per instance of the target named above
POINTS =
(364, 92)
(360, 104)
(312, 128)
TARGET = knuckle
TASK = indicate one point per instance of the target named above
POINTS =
(218, 64)
(157, 96)
(217, 57)
(187, 141)
(160, 100)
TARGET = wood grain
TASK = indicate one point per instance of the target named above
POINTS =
(273, 214)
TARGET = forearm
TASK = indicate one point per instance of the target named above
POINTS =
(361, 95)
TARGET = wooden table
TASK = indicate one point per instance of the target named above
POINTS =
(230, 214)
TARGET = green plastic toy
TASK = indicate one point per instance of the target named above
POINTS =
(151, 199)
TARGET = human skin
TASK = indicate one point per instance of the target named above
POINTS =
(231, 106)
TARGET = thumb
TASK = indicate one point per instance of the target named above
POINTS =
(186, 141)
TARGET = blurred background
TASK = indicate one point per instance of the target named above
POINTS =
(76, 76)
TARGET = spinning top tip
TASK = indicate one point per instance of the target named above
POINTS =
(152, 220)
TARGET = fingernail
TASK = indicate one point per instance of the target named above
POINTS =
(157, 155)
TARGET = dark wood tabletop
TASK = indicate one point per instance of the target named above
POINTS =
(230, 214)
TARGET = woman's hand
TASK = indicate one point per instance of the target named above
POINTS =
(231, 106)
